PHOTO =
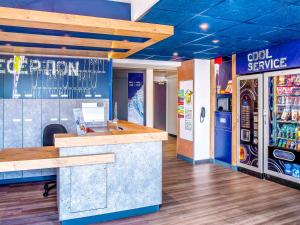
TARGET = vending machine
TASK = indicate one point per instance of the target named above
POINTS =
(281, 126)
(250, 124)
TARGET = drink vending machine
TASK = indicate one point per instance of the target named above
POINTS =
(282, 119)
(268, 124)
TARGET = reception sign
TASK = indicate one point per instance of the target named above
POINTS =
(136, 98)
(51, 77)
(268, 59)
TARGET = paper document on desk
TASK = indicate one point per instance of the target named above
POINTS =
(80, 124)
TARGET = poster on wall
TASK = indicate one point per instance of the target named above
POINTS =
(136, 98)
(180, 104)
(38, 77)
(185, 109)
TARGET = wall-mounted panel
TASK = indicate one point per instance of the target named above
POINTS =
(13, 129)
(13, 123)
(1, 108)
(50, 115)
(94, 180)
(1, 123)
(32, 119)
(32, 131)
(1, 131)
(66, 114)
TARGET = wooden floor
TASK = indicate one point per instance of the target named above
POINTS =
(202, 194)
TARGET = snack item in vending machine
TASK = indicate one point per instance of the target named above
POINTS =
(297, 80)
(288, 144)
(283, 145)
(281, 100)
(289, 100)
(285, 90)
(293, 145)
(296, 90)
(292, 80)
(281, 80)
(286, 115)
(295, 114)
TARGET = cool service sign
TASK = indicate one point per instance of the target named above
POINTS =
(269, 59)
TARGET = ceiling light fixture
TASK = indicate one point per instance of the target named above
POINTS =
(215, 41)
(204, 26)
(175, 54)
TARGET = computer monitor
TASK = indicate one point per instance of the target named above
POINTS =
(92, 114)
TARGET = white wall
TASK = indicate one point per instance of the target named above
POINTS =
(172, 105)
(201, 99)
(149, 98)
(140, 7)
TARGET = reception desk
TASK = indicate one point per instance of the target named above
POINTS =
(101, 176)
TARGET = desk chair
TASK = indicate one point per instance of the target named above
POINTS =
(48, 140)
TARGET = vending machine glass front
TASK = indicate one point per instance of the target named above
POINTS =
(284, 120)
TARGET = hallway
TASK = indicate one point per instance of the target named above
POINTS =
(203, 194)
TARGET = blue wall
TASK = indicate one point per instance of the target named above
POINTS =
(97, 8)
(47, 77)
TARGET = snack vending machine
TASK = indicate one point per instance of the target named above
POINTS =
(282, 130)
(250, 124)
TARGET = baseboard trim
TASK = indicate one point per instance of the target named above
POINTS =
(250, 172)
(185, 158)
(27, 180)
(224, 164)
(202, 161)
(281, 181)
(111, 216)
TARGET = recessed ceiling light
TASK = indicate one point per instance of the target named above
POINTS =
(175, 54)
(215, 41)
(204, 26)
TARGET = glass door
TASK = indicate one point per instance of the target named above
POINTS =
(250, 128)
(282, 119)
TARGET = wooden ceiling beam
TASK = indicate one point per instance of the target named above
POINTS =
(70, 22)
(52, 51)
(67, 41)
(77, 23)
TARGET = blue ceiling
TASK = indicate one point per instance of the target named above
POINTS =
(238, 25)
(97, 8)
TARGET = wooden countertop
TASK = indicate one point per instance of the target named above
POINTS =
(16, 159)
(131, 133)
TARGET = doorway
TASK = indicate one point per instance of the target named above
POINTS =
(160, 103)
